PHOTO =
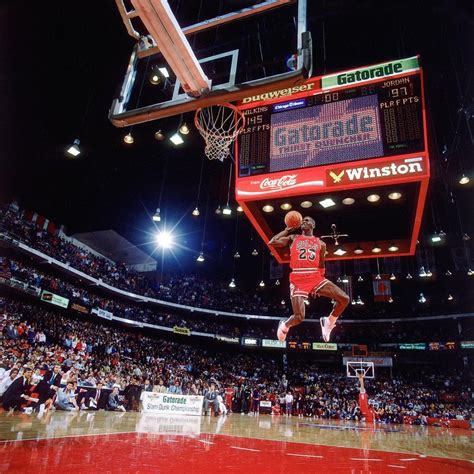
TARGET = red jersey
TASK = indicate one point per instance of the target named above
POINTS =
(229, 393)
(305, 251)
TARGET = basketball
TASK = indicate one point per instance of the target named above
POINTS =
(293, 219)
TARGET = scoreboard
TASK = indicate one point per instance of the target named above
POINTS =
(378, 118)
(330, 142)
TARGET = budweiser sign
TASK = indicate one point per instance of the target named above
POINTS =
(279, 183)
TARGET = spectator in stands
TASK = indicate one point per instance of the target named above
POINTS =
(147, 387)
(114, 403)
(210, 399)
(17, 394)
(7, 381)
(160, 388)
(66, 398)
(175, 388)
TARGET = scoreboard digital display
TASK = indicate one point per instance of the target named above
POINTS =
(357, 122)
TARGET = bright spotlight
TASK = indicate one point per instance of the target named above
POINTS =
(176, 139)
(164, 240)
(74, 149)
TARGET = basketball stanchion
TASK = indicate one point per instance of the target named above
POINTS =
(219, 125)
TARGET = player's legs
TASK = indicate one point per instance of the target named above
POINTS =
(299, 309)
(341, 300)
(298, 306)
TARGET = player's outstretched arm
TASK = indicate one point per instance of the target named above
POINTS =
(282, 239)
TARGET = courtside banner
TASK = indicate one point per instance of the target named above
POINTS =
(102, 313)
(167, 403)
(230, 340)
(273, 343)
(324, 346)
(54, 299)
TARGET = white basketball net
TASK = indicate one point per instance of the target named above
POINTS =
(219, 125)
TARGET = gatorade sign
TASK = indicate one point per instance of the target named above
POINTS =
(377, 71)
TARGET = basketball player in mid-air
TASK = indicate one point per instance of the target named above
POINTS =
(307, 253)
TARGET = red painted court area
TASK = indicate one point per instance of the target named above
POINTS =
(143, 453)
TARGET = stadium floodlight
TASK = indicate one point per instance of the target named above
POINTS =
(261, 284)
(464, 179)
(328, 202)
(176, 139)
(156, 216)
(200, 258)
(196, 211)
(227, 211)
(232, 283)
(164, 240)
(74, 149)
(239, 209)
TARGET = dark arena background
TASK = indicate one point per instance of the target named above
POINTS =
(150, 150)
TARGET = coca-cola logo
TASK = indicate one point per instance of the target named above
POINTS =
(280, 183)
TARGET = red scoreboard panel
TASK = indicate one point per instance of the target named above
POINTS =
(324, 146)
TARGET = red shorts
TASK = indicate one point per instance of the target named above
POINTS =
(305, 283)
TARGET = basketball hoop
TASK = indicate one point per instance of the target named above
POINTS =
(219, 125)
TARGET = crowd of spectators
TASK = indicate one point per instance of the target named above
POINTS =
(188, 290)
(84, 355)
(229, 326)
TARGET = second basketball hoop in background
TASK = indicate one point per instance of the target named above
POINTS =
(219, 125)
(293, 219)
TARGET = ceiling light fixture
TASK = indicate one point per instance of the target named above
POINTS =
(128, 138)
(360, 278)
(393, 277)
(340, 252)
(184, 129)
(154, 78)
(159, 136)
(156, 216)
(450, 297)
(392, 248)
(436, 238)
(254, 252)
(196, 212)
(176, 139)
(236, 255)
(74, 149)
(409, 277)
(328, 202)
(395, 195)
(422, 298)
(390, 300)
(232, 283)
(306, 204)
(464, 179)
(261, 284)
(218, 210)
(277, 283)
(448, 273)
(358, 251)
(267, 208)
(422, 272)
(200, 258)
(239, 209)
(378, 277)
(470, 272)
(164, 240)
(164, 72)
(373, 197)
(227, 211)
(286, 206)
(348, 201)
(376, 249)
